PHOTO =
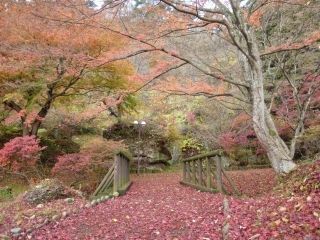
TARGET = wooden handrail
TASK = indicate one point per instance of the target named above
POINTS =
(205, 155)
(118, 175)
(104, 181)
(199, 172)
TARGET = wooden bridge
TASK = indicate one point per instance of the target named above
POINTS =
(205, 172)
(118, 177)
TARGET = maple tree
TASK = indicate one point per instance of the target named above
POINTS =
(42, 61)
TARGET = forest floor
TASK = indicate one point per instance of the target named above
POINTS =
(158, 207)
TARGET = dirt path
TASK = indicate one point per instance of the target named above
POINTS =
(158, 207)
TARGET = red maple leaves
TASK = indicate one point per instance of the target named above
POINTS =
(158, 207)
(20, 153)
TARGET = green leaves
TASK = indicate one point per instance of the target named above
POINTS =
(129, 104)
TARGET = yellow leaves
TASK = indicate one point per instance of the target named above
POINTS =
(282, 209)
(298, 207)
(274, 214)
(232, 60)
(19, 76)
(285, 219)
(277, 222)
(112, 76)
(280, 221)
(16, 96)
(123, 68)
(173, 133)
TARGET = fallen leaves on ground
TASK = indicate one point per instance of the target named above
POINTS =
(158, 207)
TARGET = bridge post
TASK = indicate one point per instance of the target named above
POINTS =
(219, 173)
(116, 179)
(118, 175)
(184, 171)
(194, 172)
(200, 172)
(208, 168)
(188, 171)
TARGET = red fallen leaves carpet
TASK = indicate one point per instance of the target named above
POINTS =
(158, 207)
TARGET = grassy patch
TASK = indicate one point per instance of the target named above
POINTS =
(10, 190)
(5, 194)
(176, 167)
(84, 140)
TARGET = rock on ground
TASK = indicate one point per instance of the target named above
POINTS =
(46, 190)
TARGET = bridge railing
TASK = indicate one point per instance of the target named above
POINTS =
(118, 177)
(205, 172)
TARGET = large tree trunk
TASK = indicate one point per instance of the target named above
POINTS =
(276, 149)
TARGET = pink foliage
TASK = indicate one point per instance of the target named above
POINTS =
(72, 163)
(29, 118)
(12, 118)
(229, 140)
(141, 37)
(32, 117)
(20, 153)
(287, 108)
(191, 117)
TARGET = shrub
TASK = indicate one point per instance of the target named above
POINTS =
(86, 169)
(75, 170)
(308, 144)
(20, 154)
(8, 132)
(74, 163)
(102, 150)
(191, 147)
(227, 141)
(58, 141)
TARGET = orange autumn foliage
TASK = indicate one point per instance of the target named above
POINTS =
(189, 87)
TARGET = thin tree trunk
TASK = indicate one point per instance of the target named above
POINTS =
(25, 129)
